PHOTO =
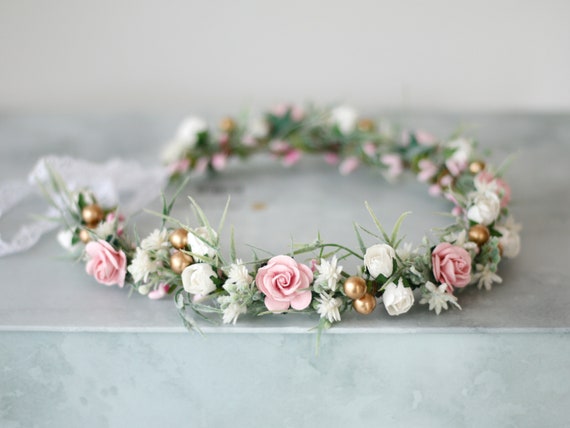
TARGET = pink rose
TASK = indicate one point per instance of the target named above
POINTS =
(106, 264)
(451, 265)
(285, 283)
(503, 189)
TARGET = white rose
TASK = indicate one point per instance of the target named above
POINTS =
(485, 207)
(397, 299)
(379, 259)
(200, 247)
(345, 118)
(196, 279)
(185, 139)
(510, 241)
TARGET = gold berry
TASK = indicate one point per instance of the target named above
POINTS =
(365, 305)
(179, 238)
(479, 234)
(366, 125)
(84, 236)
(227, 125)
(180, 261)
(476, 167)
(355, 287)
(92, 215)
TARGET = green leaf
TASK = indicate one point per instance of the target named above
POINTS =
(396, 228)
(359, 238)
(232, 246)
(377, 222)
(224, 214)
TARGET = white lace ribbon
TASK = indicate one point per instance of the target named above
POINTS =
(117, 180)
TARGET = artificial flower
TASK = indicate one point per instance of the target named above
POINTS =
(501, 187)
(379, 259)
(157, 240)
(329, 274)
(197, 279)
(457, 162)
(285, 283)
(451, 264)
(437, 297)
(397, 299)
(231, 310)
(329, 307)
(510, 239)
(159, 292)
(202, 240)
(142, 266)
(185, 139)
(485, 207)
(107, 265)
(344, 117)
(238, 277)
(485, 277)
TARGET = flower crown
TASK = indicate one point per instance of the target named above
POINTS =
(187, 261)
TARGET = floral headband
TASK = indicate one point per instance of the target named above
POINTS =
(188, 261)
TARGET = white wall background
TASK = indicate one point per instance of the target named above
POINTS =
(153, 56)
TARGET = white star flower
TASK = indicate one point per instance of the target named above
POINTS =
(438, 297)
(328, 307)
(485, 277)
(329, 274)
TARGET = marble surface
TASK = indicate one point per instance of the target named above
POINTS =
(75, 353)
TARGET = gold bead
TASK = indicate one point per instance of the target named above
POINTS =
(476, 167)
(366, 125)
(479, 234)
(180, 261)
(227, 125)
(84, 236)
(355, 287)
(92, 215)
(179, 238)
(365, 305)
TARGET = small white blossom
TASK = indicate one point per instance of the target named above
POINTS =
(438, 297)
(239, 278)
(329, 307)
(196, 242)
(345, 118)
(65, 238)
(142, 266)
(157, 240)
(397, 298)
(510, 239)
(105, 228)
(185, 139)
(144, 289)
(231, 310)
(405, 251)
(485, 277)
(258, 128)
(379, 259)
(329, 274)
